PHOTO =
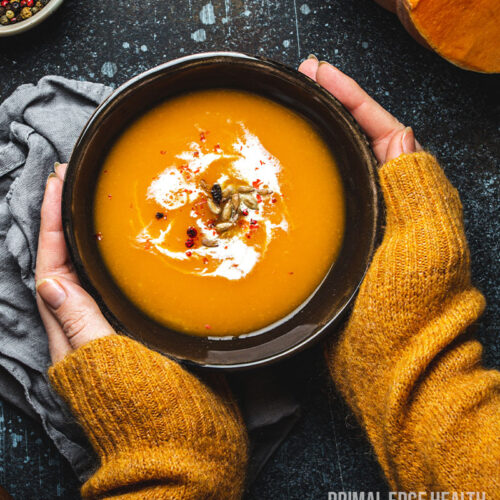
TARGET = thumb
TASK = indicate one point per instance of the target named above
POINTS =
(401, 142)
(74, 309)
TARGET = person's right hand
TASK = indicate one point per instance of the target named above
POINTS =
(389, 138)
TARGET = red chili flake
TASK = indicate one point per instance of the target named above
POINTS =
(274, 200)
(202, 137)
(147, 245)
(259, 198)
(23, 3)
(291, 272)
(109, 196)
(208, 327)
(256, 183)
(29, 3)
(189, 242)
(225, 248)
(191, 232)
(188, 253)
(253, 222)
(261, 162)
(196, 154)
(105, 171)
(163, 152)
(160, 215)
(248, 235)
(205, 260)
(217, 147)
(98, 236)
(245, 212)
(4, 3)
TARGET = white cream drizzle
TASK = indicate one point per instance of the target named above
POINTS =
(250, 161)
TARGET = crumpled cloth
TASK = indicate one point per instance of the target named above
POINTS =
(39, 125)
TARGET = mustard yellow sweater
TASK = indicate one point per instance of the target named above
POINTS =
(405, 363)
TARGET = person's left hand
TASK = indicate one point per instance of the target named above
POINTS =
(70, 315)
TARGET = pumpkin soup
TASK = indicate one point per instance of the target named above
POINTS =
(219, 212)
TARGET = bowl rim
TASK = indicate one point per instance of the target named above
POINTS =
(35, 20)
(359, 136)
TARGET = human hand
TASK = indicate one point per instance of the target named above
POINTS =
(70, 315)
(388, 137)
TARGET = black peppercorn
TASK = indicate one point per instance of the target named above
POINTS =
(15, 6)
(2, 11)
(159, 215)
(216, 193)
(192, 232)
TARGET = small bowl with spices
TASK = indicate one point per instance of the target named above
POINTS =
(221, 209)
(18, 16)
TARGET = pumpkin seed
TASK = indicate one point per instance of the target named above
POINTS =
(228, 191)
(209, 243)
(235, 201)
(204, 186)
(264, 191)
(250, 201)
(227, 211)
(215, 209)
(246, 189)
(223, 226)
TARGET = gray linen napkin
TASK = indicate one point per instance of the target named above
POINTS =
(38, 126)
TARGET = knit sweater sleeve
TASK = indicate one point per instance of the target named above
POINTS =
(407, 362)
(159, 431)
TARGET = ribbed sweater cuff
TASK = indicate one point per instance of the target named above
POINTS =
(415, 188)
(125, 395)
(89, 380)
(150, 420)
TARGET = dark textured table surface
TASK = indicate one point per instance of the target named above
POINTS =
(454, 114)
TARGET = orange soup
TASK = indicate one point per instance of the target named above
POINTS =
(219, 212)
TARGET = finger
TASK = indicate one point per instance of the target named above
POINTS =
(401, 142)
(60, 169)
(378, 124)
(310, 66)
(59, 344)
(74, 309)
(52, 256)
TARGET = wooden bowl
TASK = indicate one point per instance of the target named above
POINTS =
(356, 163)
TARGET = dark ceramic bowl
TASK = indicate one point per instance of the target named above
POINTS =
(285, 86)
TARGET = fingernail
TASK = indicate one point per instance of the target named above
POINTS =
(51, 292)
(51, 176)
(312, 56)
(324, 62)
(408, 141)
(56, 166)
